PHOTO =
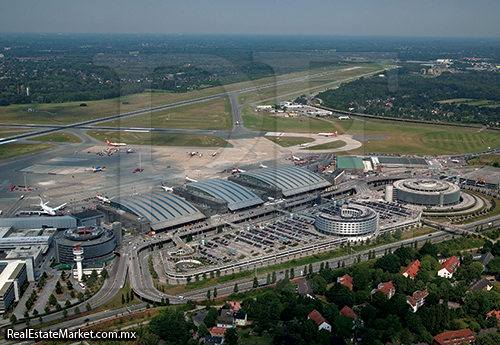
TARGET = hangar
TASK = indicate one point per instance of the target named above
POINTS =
(163, 210)
(236, 196)
(291, 180)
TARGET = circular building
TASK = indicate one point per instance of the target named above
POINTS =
(354, 221)
(427, 192)
(98, 244)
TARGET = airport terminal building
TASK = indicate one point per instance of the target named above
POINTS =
(353, 221)
(98, 244)
(427, 192)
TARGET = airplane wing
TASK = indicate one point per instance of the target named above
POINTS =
(59, 207)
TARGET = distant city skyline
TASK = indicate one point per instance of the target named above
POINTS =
(443, 18)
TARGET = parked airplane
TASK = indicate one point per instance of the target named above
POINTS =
(304, 145)
(167, 189)
(193, 153)
(115, 144)
(98, 168)
(215, 154)
(263, 166)
(328, 134)
(49, 210)
(190, 179)
(103, 198)
(237, 170)
(344, 117)
(295, 158)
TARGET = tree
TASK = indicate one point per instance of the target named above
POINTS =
(398, 234)
(341, 295)
(292, 272)
(80, 296)
(202, 329)
(67, 304)
(235, 288)
(215, 292)
(494, 266)
(268, 279)
(104, 274)
(69, 285)
(255, 282)
(231, 337)
(123, 299)
(77, 310)
(389, 263)
(273, 279)
(428, 249)
(13, 318)
(63, 276)
(305, 270)
(35, 312)
(52, 299)
(311, 269)
(88, 307)
(65, 312)
(208, 294)
(58, 288)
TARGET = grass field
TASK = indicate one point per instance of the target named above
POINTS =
(484, 160)
(470, 101)
(420, 139)
(159, 139)
(12, 150)
(214, 114)
(331, 145)
(59, 137)
(289, 141)
(11, 134)
(310, 85)
(286, 124)
(72, 112)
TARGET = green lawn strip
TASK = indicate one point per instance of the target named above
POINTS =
(289, 141)
(159, 139)
(11, 134)
(286, 124)
(331, 145)
(14, 149)
(58, 138)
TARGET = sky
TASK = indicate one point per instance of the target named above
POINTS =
(439, 18)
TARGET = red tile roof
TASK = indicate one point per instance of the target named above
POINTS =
(412, 269)
(451, 264)
(493, 312)
(218, 330)
(384, 287)
(345, 280)
(455, 337)
(317, 317)
(418, 296)
(346, 311)
(236, 306)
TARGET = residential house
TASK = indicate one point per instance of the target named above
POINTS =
(209, 340)
(320, 320)
(235, 306)
(485, 259)
(346, 311)
(345, 280)
(417, 300)
(412, 270)
(226, 319)
(304, 288)
(218, 332)
(449, 267)
(481, 284)
(455, 338)
(387, 288)
(240, 319)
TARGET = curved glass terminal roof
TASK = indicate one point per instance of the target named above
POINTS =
(237, 196)
(161, 209)
(290, 179)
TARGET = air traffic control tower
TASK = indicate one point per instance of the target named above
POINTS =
(78, 253)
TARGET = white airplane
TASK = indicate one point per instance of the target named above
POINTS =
(49, 210)
(193, 153)
(344, 117)
(190, 179)
(103, 198)
(237, 170)
(215, 154)
(98, 168)
(115, 144)
(328, 134)
(295, 158)
(304, 145)
(167, 189)
(263, 166)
